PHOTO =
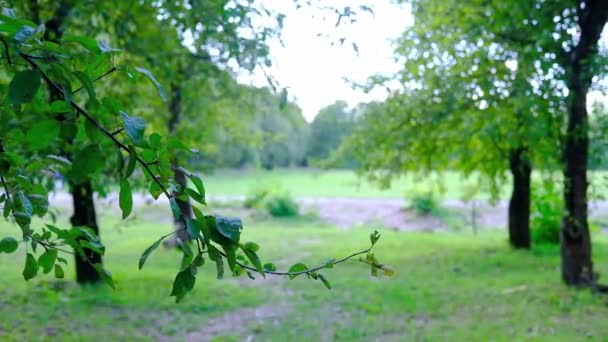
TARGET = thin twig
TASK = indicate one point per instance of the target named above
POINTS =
(8, 56)
(96, 123)
(46, 246)
(111, 70)
(307, 271)
(8, 194)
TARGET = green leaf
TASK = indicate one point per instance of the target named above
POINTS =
(42, 133)
(155, 140)
(159, 87)
(47, 260)
(105, 275)
(131, 163)
(148, 251)
(86, 83)
(86, 42)
(60, 107)
(229, 227)
(270, 267)
(374, 237)
(134, 127)
(154, 189)
(31, 267)
(299, 267)
(184, 245)
(230, 255)
(8, 245)
(200, 187)
(24, 204)
(194, 228)
(195, 196)
(183, 283)
(59, 272)
(324, 280)
(215, 256)
(175, 208)
(198, 260)
(86, 162)
(24, 34)
(252, 246)
(255, 261)
(125, 198)
(23, 87)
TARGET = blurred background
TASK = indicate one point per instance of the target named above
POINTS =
(441, 124)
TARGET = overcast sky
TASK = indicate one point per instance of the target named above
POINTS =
(313, 70)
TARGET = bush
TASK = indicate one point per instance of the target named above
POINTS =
(546, 213)
(424, 203)
(276, 202)
(281, 205)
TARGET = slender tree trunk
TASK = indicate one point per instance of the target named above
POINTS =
(175, 110)
(82, 194)
(184, 206)
(577, 266)
(85, 216)
(519, 205)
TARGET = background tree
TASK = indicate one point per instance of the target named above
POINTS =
(327, 130)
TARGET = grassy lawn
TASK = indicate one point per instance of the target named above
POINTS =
(448, 286)
(324, 183)
(345, 183)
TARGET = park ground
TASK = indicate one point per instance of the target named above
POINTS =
(450, 283)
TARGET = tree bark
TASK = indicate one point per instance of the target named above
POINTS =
(519, 204)
(85, 216)
(576, 263)
(82, 194)
(175, 111)
(184, 206)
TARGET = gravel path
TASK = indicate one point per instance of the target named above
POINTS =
(349, 212)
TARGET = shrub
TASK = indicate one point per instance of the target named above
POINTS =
(546, 213)
(424, 203)
(276, 202)
(281, 205)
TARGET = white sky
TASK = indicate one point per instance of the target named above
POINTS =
(313, 71)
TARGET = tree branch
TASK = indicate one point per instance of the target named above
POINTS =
(111, 70)
(307, 271)
(96, 123)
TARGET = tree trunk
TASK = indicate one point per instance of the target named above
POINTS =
(577, 266)
(184, 206)
(175, 110)
(84, 216)
(82, 194)
(519, 205)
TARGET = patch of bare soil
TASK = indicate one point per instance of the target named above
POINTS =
(244, 322)
(390, 213)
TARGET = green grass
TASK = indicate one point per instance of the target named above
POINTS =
(448, 286)
(345, 183)
(324, 183)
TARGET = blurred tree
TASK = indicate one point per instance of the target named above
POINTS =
(102, 140)
(327, 130)
(498, 77)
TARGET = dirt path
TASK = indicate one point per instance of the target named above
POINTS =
(351, 212)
